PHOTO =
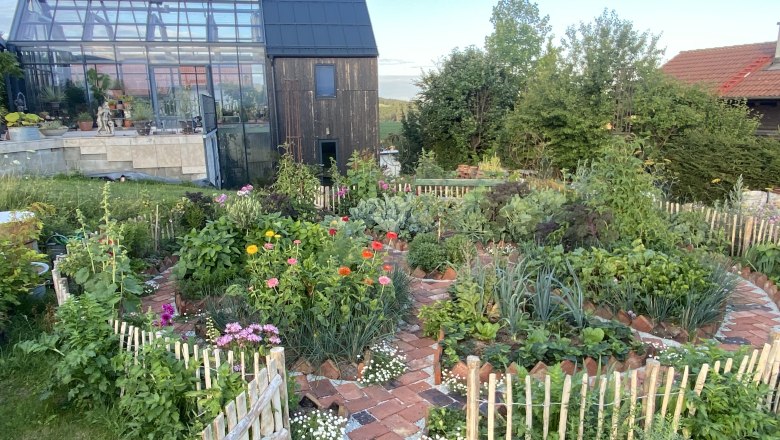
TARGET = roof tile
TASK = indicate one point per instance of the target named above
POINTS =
(715, 67)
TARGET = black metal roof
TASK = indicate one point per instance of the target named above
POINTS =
(318, 28)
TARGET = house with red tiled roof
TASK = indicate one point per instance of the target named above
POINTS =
(746, 71)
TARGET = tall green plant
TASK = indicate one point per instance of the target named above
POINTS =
(296, 180)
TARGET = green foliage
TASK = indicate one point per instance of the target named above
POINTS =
(522, 215)
(360, 182)
(17, 276)
(216, 247)
(446, 423)
(459, 249)
(428, 168)
(407, 215)
(619, 184)
(196, 209)
(295, 180)
(695, 232)
(156, 402)
(696, 355)
(765, 258)
(99, 262)
(85, 343)
(462, 105)
(729, 408)
(244, 211)
(519, 34)
(21, 119)
(426, 255)
(411, 145)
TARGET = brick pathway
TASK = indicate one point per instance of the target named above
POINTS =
(165, 294)
(751, 316)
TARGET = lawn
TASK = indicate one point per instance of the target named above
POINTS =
(389, 127)
(23, 378)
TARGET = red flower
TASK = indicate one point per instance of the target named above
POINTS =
(367, 254)
(392, 235)
(331, 232)
(377, 246)
(344, 271)
(345, 218)
(387, 268)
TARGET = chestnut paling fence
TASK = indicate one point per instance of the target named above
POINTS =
(740, 229)
(260, 411)
(659, 397)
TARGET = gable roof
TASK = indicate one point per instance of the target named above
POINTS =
(743, 71)
(318, 28)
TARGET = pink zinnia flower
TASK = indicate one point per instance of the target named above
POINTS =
(273, 282)
(268, 246)
(383, 280)
(296, 241)
(292, 261)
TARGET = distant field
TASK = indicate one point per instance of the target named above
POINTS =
(389, 127)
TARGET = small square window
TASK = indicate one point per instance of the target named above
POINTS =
(325, 80)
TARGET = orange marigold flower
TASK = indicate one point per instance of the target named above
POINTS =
(344, 271)
(367, 254)
(377, 246)
(369, 281)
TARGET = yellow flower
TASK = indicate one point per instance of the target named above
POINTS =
(277, 236)
(715, 181)
(269, 233)
(251, 249)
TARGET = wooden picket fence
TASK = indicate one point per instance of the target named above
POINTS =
(328, 196)
(741, 230)
(261, 411)
(662, 393)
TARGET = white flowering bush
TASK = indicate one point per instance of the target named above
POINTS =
(386, 364)
(317, 425)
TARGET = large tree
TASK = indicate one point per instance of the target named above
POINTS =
(462, 105)
(519, 35)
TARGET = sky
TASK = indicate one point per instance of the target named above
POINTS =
(413, 35)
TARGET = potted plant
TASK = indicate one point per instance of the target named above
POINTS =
(53, 128)
(142, 114)
(23, 126)
(112, 104)
(85, 121)
(53, 96)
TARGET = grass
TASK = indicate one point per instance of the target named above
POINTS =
(389, 127)
(23, 378)
(66, 194)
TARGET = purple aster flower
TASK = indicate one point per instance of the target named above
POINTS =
(275, 340)
(224, 340)
(233, 327)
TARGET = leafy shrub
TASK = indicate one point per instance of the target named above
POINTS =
(17, 275)
(587, 226)
(459, 249)
(521, 215)
(427, 255)
(428, 168)
(217, 247)
(500, 195)
(244, 210)
(360, 182)
(197, 209)
(157, 402)
(729, 408)
(86, 343)
(619, 183)
(296, 181)
(208, 284)
(695, 232)
(765, 258)
(137, 238)
(99, 262)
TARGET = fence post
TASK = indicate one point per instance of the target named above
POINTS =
(472, 398)
(277, 354)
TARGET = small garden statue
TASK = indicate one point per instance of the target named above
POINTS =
(104, 121)
(20, 102)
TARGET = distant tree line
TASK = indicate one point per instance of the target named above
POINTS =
(547, 106)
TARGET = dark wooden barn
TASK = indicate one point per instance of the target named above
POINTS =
(322, 63)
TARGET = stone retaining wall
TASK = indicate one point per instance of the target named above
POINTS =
(180, 157)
